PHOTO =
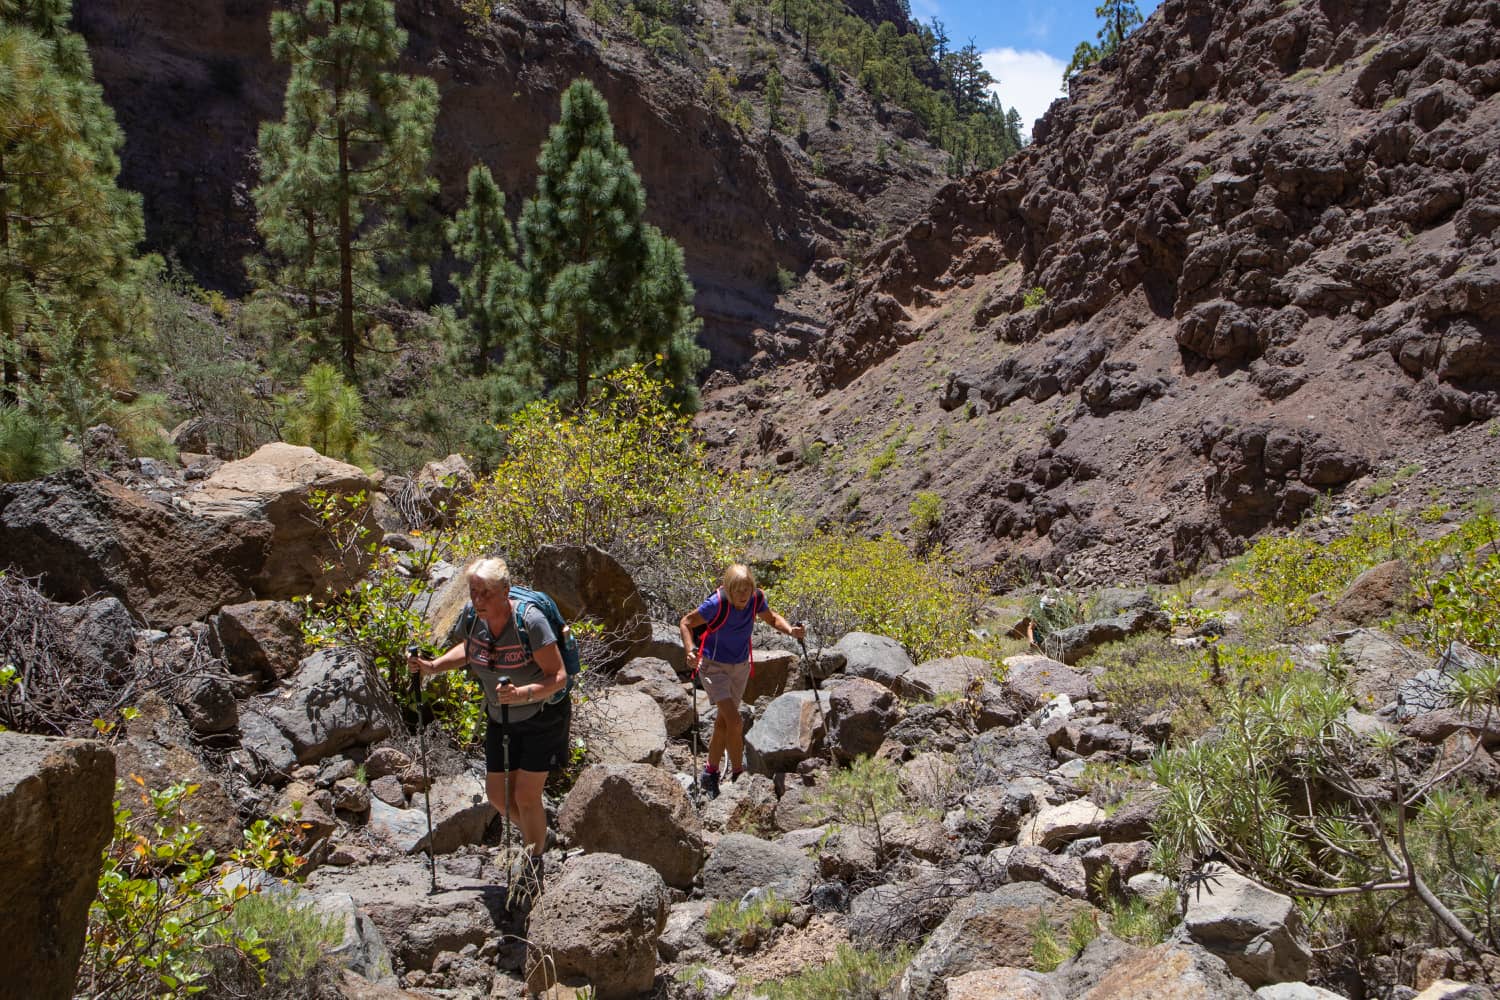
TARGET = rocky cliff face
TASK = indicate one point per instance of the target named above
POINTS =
(1251, 260)
(191, 82)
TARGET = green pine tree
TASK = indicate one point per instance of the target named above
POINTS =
(1119, 17)
(602, 286)
(489, 294)
(327, 416)
(67, 232)
(345, 183)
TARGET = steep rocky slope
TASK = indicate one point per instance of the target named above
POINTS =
(191, 82)
(1250, 261)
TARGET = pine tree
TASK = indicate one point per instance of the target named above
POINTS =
(602, 286)
(344, 174)
(489, 294)
(67, 232)
(1119, 17)
(773, 98)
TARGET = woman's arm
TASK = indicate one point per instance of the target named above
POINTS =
(781, 625)
(450, 660)
(690, 621)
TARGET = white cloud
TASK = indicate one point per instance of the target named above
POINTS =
(1029, 81)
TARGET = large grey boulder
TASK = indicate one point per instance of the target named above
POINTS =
(1258, 933)
(1176, 970)
(622, 725)
(333, 701)
(985, 931)
(787, 733)
(1078, 641)
(1377, 664)
(599, 920)
(638, 812)
(261, 637)
(1001, 984)
(55, 810)
(416, 924)
(860, 713)
(82, 535)
(1032, 681)
(740, 862)
(360, 947)
(273, 487)
(461, 814)
(873, 657)
(1057, 826)
(951, 675)
(588, 582)
(658, 679)
(769, 674)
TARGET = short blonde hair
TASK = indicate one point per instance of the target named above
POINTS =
(490, 574)
(738, 579)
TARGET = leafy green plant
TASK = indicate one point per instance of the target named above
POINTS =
(883, 460)
(1047, 951)
(745, 926)
(295, 937)
(861, 794)
(840, 584)
(852, 974)
(926, 510)
(162, 920)
(1291, 796)
(30, 445)
(1034, 297)
(623, 472)
(328, 416)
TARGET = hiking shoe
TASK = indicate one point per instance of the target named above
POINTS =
(526, 881)
(735, 777)
(709, 782)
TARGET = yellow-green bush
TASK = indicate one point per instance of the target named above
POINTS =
(842, 584)
(851, 975)
(623, 473)
(745, 927)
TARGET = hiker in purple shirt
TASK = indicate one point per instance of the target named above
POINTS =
(724, 661)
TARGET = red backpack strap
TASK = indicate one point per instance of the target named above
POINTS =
(720, 617)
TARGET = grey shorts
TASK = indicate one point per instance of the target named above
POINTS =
(724, 681)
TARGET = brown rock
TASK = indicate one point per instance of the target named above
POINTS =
(611, 806)
(272, 486)
(1170, 972)
(262, 637)
(1375, 594)
(55, 810)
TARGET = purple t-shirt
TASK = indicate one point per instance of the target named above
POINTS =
(730, 642)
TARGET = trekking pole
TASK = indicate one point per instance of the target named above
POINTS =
(812, 676)
(505, 763)
(412, 651)
(693, 694)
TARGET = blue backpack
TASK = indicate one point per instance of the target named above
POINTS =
(567, 644)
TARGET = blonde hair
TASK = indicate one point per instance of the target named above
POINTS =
(490, 574)
(738, 579)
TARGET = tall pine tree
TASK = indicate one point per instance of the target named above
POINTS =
(67, 232)
(602, 286)
(1119, 17)
(489, 293)
(344, 175)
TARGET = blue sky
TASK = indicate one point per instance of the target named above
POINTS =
(1026, 43)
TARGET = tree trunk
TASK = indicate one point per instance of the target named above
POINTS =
(12, 376)
(345, 322)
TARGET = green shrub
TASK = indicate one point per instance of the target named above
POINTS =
(163, 919)
(883, 460)
(839, 584)
(327, 416)
(861, 794)
(30, 445)
(1047, 951)
(295, 936)
(624, 473)
(1146, 674)
(1143, 921)
(1034, 297)
(926, 510)
(745, 927)
(851, 975)
(1289, 795)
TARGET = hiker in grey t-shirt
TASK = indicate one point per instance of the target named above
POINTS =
(488, 645)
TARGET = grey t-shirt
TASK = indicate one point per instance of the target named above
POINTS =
(492, 656)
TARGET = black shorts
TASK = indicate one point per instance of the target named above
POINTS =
(539, 743)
